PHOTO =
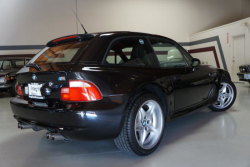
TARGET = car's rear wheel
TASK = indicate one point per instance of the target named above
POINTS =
(226, 97)
(143, 126)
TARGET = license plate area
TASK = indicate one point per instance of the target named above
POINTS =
(247, 76)
(35, 90)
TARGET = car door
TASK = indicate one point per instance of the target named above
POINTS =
(190, 87)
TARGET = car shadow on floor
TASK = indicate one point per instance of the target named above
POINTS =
(31, 146)
(222, 123)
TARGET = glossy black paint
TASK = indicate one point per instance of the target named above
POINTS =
(181, 91)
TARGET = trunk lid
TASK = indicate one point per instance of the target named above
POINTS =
(49, 84)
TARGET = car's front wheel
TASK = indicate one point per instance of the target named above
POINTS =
(226, 97)
(143, 126)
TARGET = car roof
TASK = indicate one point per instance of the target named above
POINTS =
(118, 34)
(110, 35)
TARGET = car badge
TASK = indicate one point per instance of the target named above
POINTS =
(61, 79)
(51, 84)
(34, 77)
(141, 41)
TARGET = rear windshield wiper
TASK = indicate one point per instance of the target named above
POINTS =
(34, 65)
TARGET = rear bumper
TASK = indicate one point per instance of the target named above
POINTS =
(241, 77)
(4, 87)
(92, 121)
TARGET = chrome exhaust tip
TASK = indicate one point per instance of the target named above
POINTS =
(24, 126)
(57, 136)
(54, 136)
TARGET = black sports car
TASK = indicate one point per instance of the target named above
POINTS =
(8, 68)
(244, 74)
(116, 85)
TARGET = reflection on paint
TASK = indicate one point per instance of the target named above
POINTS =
(81, 114)
(106, 34)
(91, 114)
(91, 69)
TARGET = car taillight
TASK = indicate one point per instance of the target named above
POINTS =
(19, 90)
(79, 90)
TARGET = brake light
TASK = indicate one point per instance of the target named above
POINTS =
(64, 38)
(19, 90)
(79, 90)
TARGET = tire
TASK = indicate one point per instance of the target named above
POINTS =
(131, 138)
(12, 90)
(230, 89)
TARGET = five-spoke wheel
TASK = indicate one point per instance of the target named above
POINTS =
(143, 126)
(149, 124)
(226, 96)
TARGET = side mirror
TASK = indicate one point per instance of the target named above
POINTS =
(195, 63)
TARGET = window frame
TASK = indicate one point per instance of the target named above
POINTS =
(147, 42)
(1, 63)
(184, 51)
(175, 44)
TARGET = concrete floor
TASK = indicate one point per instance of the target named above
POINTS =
(203, 138)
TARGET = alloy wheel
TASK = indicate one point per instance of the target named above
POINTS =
(149, 124)
(225, 97)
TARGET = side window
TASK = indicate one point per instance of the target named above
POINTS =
(7, 65)
(168, 54)
(131, 52)
(19, 63)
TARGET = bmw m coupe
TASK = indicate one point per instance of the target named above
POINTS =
(116, 85)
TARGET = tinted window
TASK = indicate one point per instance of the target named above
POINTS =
(58, 54)
(168, 54)
(131, 52)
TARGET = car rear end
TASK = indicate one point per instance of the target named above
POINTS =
(55, 93)
(244, 74)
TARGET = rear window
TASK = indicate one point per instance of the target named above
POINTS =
(58, 54)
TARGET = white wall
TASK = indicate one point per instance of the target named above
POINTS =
(226, 35)
(35, 22)
(176, 19)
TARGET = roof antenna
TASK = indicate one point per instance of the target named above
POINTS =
(76, 16)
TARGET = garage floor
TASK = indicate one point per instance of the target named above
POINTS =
(203, 138)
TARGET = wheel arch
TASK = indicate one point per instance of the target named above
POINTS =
(223, 74)
(226, 75)
(153, 88)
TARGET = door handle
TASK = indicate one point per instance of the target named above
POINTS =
(177, 79)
